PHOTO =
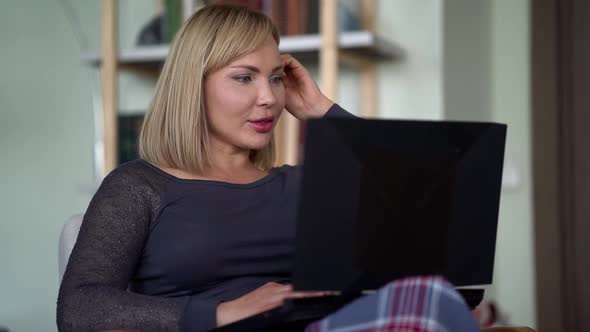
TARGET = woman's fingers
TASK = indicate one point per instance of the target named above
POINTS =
(291, 63)
(299, 294)
(276, 287)
(296, 71)
(286, 291)
(266, 297)
(303, 96)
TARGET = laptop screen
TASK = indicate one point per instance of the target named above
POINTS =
(383, 199)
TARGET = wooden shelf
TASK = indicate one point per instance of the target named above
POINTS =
(362, 43)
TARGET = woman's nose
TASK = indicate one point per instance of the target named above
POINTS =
(266, 95)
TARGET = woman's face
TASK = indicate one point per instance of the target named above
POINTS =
(244, 99)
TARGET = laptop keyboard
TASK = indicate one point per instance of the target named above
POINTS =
(310, 308)
(293, 315)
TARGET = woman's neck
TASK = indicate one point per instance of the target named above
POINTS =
(233, 168)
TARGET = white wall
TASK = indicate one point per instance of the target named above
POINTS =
(46, 137)
(467, 58)
(514, 279)
(486, 49)
(413, 86)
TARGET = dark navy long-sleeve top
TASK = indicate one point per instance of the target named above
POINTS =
(159, 253)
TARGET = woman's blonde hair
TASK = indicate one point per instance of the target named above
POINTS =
(175, 132)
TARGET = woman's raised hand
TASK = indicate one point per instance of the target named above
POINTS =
(303, 96)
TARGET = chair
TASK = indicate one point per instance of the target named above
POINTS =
(67, 239)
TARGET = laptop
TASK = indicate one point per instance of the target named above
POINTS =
(384, 199)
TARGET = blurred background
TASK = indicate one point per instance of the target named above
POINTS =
(444, 59)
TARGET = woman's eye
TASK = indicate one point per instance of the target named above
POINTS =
(277, 79)
(243, 79)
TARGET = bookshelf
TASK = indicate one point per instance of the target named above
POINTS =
(361, 49)
(362, 43)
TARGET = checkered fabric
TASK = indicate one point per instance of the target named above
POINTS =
(415, 304)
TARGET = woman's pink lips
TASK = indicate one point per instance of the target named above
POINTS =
(262, 126)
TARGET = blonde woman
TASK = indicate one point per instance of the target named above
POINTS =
(199, 232)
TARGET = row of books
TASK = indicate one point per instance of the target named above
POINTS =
(128, 129)
(293, 17)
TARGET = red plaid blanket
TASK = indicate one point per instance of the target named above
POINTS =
(415, 304)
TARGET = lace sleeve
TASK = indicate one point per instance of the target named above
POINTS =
(93, 294)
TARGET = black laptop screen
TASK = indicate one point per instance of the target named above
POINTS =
(383, 199)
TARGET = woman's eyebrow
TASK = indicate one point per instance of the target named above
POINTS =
(256, 69)
(279, 67)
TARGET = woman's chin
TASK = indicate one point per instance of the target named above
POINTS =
(257, 141)
(258, 144)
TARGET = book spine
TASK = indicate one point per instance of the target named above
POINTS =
(277, 14)
(172, 19)
(293, 17)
